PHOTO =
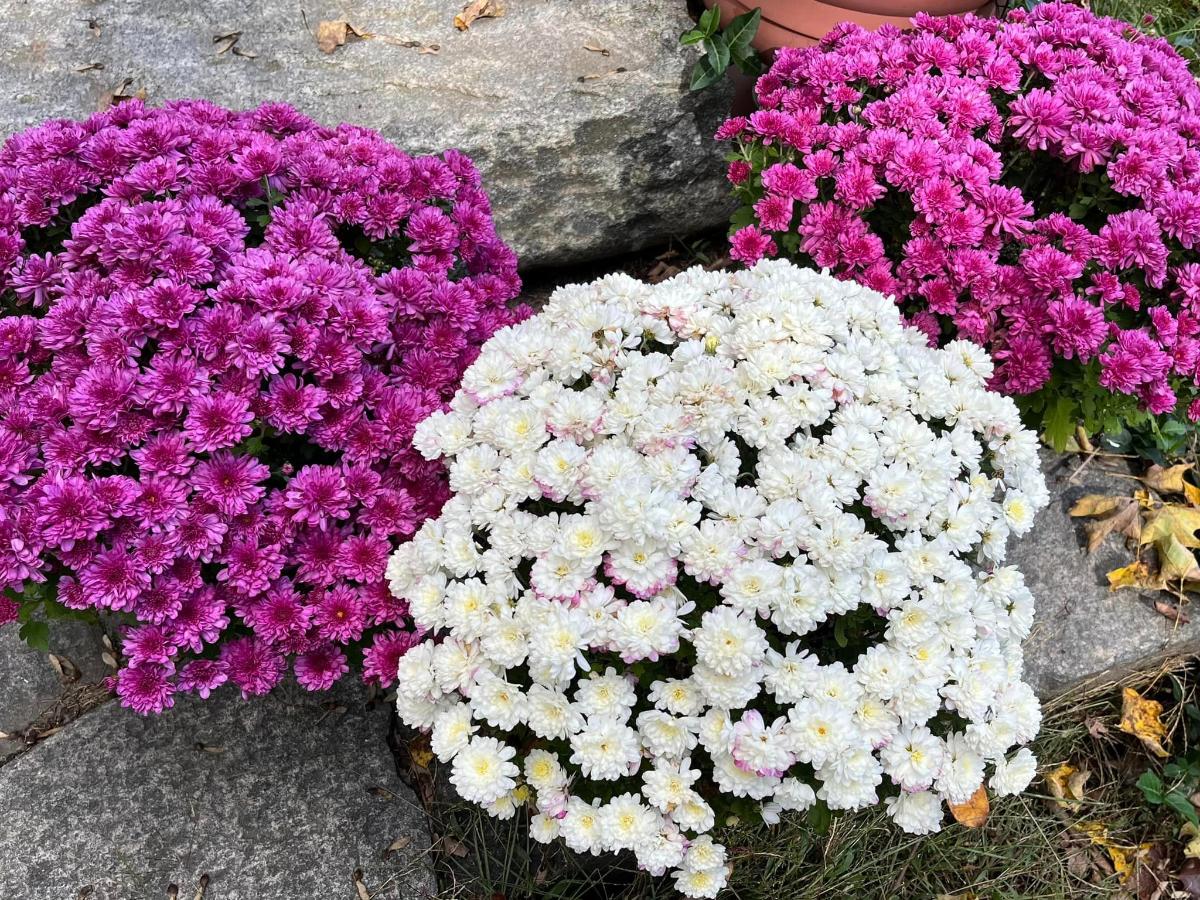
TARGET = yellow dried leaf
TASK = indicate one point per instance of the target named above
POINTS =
(1142, 718)
(1167, 481)
(1135, 575)
(1192, 833)
(1066, 785)
(1172, 518)
(1096, 505)
(421, 758)
(477, 9)
(974, 812)
(1191, 493)
(1175, 561)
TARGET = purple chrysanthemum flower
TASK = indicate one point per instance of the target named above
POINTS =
(146, 689)
(318, 669)
(256, 386)
(203, 676)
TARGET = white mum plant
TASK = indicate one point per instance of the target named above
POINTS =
(726, 543)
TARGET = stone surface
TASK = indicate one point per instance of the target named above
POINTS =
(584, 153)
(279, 798)
(28, 682)
(1082, 629)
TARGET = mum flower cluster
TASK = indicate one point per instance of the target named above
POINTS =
(219, 332)
(1032, 185)
(729, 543)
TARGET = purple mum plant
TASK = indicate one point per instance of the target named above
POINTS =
(1030, 184)
(219, 331)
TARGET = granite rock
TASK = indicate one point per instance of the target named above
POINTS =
(1082, 630)
(29, 683)
(585, 152)
(279, 798)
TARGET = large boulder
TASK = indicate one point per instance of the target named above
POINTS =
(577, 111)
(279, 798)
(1084, 632)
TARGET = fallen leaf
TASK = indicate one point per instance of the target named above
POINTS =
(1122, 856)
(454, 846)
(1191, 493)
(225, 42)
(1175, 561)
(334, 33)
(209, 748)
(1189, 877)
(1096, 505)
(1172, 519)
(1167, 481)
(397, 845)
(1066, 784)
(477, 9)
(974, 812)
(1171, 611)
(1135, 575)
(1142, 718)
(1095, 727)
(1120, 516)
(109, 660)
(66, 670)
(359, 886)
(1192, 833)
(596, 48)
(617, 71)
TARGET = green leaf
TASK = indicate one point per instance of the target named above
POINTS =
(694, 36)
(703, 74)
(710, 21)
(747, 59)
(1151, 786)
(820, 818)
(1182, 805)
(741, 30)
(718, 51)
(36, 635)
(1059, 422)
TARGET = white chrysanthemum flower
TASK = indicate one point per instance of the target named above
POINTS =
(748, 512)
(483, 771)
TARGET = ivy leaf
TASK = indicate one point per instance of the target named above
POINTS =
(740, 32)
(718, 52)
(703, 74)
(710, 20)
(37, 635)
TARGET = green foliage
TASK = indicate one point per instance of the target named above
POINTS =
(723, 47)
(38, 609)
(1176, 21)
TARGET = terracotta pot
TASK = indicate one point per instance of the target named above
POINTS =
(801, 23)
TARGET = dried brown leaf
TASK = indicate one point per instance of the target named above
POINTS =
(478, 9)
(596, 48)
(454, 846)
(1172, 611)
(334, 33)
(1167, 480)
(974, 812)
(1120, 515)
(1091, 505)
(360, 887)
(397, 845)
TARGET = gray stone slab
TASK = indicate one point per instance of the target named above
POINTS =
(1083, 630)
(585, 153)
(286, 802)
(28, 682)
